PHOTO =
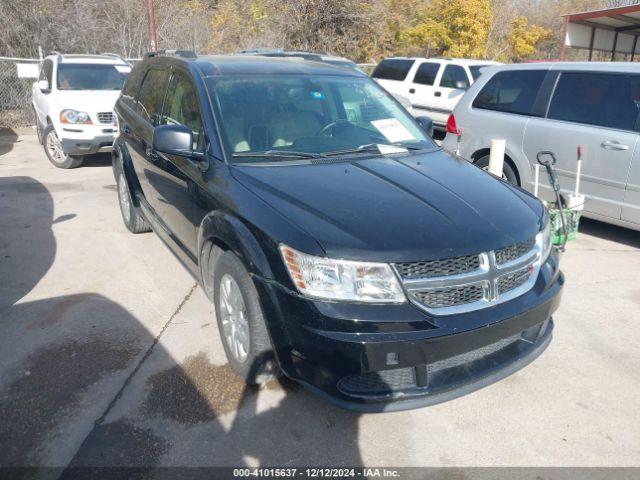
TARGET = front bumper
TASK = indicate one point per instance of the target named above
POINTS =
(88, 146)
(394, 357)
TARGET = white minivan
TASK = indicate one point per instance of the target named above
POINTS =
(433, 85)
(557, 107)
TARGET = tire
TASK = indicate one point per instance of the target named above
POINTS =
(38, 127)
(131, 216)
(53, 150)
(254, 362)
(508, 173)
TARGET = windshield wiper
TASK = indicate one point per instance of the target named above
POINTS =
(369, 147)
(277, 154)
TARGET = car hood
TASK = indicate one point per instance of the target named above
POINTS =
(393, 209)
(90, 101)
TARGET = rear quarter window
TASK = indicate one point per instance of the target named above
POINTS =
(603, 99)
(151, 95)
(393, 69)
(511, 91)
(132, 84)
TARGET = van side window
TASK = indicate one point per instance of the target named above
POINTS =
(426, 73)
(511, 91)
(603, 99)
(393, 69)
(46, 72)
(181, 107)
(452, 75)
(152, 95)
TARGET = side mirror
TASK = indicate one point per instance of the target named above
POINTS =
(174, 140)
(43, 85)
(426, 123)
(462, 85)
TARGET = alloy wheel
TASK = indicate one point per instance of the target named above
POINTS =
(233, 313)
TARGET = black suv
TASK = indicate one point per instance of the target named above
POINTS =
(338, 243)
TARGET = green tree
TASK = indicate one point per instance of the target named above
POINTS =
(458, 28)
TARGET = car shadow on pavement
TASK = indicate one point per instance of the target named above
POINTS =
(8, 137)
(607, 231)
(97, 160)
(70, 361)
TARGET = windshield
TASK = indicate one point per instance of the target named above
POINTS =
(91, 77)
(290, 116)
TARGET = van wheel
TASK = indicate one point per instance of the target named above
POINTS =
(241, 322)
(38, 127)
(508, 173)
(55, 154)
(131, 216)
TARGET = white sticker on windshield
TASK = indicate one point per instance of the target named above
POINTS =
(393, 130)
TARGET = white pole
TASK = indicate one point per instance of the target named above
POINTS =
(537, 179)
(496, 157)
(578, 171)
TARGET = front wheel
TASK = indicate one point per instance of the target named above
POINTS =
(241, 322)
(508, 173)
(54, 152)
(131, 216)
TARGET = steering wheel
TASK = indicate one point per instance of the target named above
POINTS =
(341, 124)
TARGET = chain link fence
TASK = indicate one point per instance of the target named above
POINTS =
(16, 78)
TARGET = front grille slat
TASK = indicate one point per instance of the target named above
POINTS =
(513, 280)
(450, 296)
(464, 282)
(439, 268)
(105, 117)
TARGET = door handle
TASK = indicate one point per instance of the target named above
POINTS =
(412, 90)
(438, 94)
(126, 129)
(613, 145)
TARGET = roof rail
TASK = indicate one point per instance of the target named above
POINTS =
(173, 53)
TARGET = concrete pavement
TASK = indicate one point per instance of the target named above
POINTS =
(111, 356)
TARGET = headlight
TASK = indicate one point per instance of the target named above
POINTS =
(328, 279)
(545, 239)
(73, 116)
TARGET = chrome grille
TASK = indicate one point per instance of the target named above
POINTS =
(450, 296)
(439, 268)
(471, 282)
(513, 280)
(512, 252)
(105, 117)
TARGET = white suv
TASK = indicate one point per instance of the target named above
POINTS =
(432, 85)
(73, 101)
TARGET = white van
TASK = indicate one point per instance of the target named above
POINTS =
(433, 85)
(557, 107)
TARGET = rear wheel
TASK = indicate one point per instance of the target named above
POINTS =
(241, 322)
(508, 173)
(131, 216)
(54, 152)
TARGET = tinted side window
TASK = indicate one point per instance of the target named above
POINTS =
(181, 106)
(511, 91)
(46, 72)
(426, 73)
(452, 75)
(606, 100)
(392, 69)
(152, 94)
(132, 84)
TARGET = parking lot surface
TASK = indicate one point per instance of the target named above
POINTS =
(111, 356)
